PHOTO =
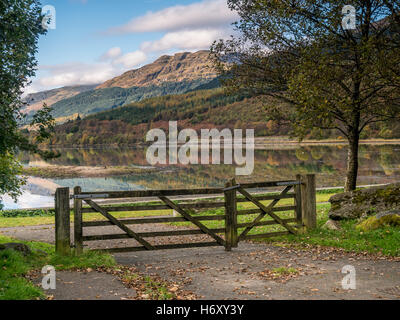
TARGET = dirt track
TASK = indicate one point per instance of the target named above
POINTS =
(244, 273)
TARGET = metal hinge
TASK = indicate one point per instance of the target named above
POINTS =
(231, 188)
(288, 183)
(90, 196)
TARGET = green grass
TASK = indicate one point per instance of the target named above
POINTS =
(14, 266)
(157, 289)
(385, 241)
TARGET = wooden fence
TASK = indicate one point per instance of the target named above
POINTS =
(302, 191)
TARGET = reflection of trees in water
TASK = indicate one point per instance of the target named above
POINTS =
(327, 161)
(389, 160)
(317, 153)
(302, 154)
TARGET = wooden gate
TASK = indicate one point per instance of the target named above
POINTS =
(190, 206)
(304, 208)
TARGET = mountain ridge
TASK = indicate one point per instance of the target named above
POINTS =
(174, 74)
(183, 66)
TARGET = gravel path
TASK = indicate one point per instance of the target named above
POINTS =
(244, 273)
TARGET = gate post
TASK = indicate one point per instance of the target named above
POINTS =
(309, 201)
(231, 235)
(62, 215)
(78, 234)
(297, 201)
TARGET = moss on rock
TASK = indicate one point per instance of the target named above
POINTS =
(374, 223)
(365, 202)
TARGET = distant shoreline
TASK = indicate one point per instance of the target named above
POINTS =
(269, 141)
(259, 143)
(62, 172)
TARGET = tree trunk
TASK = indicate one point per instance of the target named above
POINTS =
(352, 161)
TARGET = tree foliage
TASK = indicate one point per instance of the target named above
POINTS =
(298, 52)
(20, 28)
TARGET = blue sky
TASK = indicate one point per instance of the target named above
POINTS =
(95, 40)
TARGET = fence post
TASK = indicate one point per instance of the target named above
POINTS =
(297, 201)
(63, 234)
(309, 201)
(78, 234)
(230, 217)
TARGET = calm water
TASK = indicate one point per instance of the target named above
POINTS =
(378, 164)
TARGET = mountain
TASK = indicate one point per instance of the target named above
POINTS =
(35, 100)
(182, 67)
(175, 74)
(98, 100)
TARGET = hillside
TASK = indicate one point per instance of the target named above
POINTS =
(167, 75)
(94, 101)
(182, 67)
(35, 100)
(199, 109)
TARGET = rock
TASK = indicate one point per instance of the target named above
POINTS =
(387, 213)
(23, 248)
(332, 225)
(365, 202)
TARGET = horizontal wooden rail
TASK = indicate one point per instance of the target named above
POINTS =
(270, 184)
(202, 205)
(152, 220)
(268, 197)
(176, 232)
(178, 192)
(265, 235)
(195, 205)
(151, 234)
(264, 223)
(256, 211)
(146, 193)
(163, 247)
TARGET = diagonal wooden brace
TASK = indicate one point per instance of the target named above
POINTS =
(266, 210)
(116, 222)
(188, 217)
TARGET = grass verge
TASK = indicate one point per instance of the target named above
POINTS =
(384, 241)
(14, 267)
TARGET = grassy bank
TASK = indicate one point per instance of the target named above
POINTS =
(63, 172)
(383, 241)
(14, 267)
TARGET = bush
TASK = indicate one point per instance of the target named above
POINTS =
(26, 213)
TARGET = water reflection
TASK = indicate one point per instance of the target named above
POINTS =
(378, 164)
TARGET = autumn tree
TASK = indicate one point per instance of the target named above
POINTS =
(321, 71)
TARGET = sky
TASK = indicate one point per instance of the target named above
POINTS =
(95, 40)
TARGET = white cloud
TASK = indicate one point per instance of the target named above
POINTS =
(111, 54)
(113, 63)
(75, 74)
(207, 13)
(185, 40)
(131, 59)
